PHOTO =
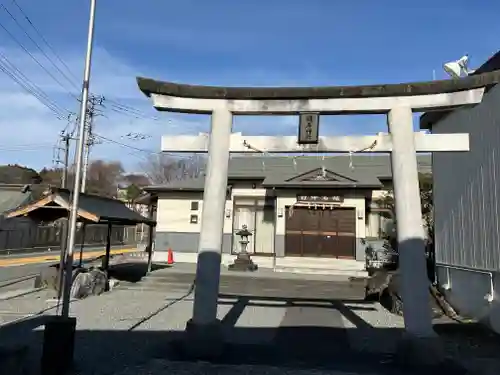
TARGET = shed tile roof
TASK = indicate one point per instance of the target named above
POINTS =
(103, 210)
(12, 196)
(106, 209)
(279, 171)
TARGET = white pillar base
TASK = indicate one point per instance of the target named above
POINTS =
(417, 352)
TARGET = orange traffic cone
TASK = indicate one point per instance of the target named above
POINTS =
(170, 256)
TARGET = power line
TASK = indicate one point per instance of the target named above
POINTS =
(136, 136)
(38, 46)
(36, 60)
(183, 162)
(126, 145)
(33, 87)
(41, 96)
(65, 130)
(27, 89)
(33, 148)
(128, 110)
(25, 145)
(115, 106)
(27, 18)
(137, 149)
(22, 80)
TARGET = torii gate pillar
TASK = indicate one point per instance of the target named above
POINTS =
(409, 225)
(204, 332)
(204, 327)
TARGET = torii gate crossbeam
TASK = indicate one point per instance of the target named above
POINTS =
(288, 144)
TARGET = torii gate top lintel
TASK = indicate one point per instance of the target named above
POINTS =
(376, 99)
(150, 86)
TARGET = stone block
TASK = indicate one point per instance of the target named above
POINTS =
(58, 346)
(243, 262)
(203, 341)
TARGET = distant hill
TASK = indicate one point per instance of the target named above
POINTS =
(18, 174)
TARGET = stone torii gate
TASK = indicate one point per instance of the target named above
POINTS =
(398, 101)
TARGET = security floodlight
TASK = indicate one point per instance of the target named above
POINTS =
(453, 69)
(458, 68)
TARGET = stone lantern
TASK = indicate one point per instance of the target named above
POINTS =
(243, 262)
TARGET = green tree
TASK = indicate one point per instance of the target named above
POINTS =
(425, 183)
(133, 192)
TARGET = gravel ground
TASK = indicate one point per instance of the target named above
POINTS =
(473, 345)
(375, 330)
(122, 331)
(28, 303)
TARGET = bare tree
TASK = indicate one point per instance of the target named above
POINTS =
(164, 168)
(136, 179)
(103, 177)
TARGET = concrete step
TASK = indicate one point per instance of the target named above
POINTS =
(323, 271)
(153, 286)
(168, 279)
(320, 263)
(353, 292)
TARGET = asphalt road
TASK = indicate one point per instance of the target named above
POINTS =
(11, 273)
(25, 253)
(21, 277)
(18, 272)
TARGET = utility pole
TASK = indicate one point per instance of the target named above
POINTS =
(65, 138)
(94, 102)
(86, 155)
(68, 274)
(59, 336)
(64, 180)
(63, 145)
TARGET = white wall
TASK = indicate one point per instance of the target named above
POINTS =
(174, 209)
(174, 213)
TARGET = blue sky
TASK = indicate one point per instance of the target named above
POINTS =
(221, 42)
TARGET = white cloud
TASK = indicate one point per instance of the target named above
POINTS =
(29, 128)
(27, 122)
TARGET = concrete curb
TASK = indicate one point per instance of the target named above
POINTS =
(18, 293)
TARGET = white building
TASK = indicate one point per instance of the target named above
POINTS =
(309, 211)
(467, 206)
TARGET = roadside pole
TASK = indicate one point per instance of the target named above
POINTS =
(59, 333)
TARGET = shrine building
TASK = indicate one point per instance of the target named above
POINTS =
(323, 210)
